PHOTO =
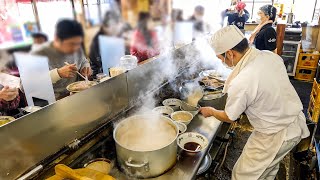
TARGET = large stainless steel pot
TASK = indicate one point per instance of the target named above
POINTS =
(145, 164)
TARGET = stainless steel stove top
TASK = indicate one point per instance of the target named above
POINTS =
(187, 164)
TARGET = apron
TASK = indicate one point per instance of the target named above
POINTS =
(258, 153)
(261, 148)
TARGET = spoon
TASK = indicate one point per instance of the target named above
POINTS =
(198, 148)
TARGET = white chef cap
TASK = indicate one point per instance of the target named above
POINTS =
(226, 39)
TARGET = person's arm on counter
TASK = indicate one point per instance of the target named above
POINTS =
(67, 71)
(220, 115)
(237, 102)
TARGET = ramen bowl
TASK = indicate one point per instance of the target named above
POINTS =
(182, 116)
(192, 142)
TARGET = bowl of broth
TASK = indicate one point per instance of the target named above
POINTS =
(182, 116)
(192, 142)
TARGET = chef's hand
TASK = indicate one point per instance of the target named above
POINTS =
(68, 71)
(9, 94)
(207, 111)
(86, 71)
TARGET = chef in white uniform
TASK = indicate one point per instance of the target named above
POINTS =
(260, 87)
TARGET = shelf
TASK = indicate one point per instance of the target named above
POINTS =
(291, 42)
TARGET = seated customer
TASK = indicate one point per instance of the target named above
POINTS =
(9, 96)
(144, 43)
(9, 99)
(38, 39)
(66, 48)
(110, 27)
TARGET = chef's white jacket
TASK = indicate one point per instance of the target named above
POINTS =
(263, 91)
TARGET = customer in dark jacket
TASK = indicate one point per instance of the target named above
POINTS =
(111, 26)
(239, 16)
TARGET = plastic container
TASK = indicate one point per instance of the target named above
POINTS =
(305, 74)
(128, 62)
(309, 60)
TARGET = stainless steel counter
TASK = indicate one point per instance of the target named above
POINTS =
(32, 143)
(187, 163)
(30, 139)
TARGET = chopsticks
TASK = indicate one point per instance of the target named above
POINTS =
(84, 77)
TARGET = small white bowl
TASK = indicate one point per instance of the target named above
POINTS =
(191, 109)
(181, 126)
(190, 141)
(182, 116)
(173, 103)
(163, 110)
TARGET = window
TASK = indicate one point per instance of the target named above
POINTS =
(105, 6)
(303, 10)
(316, 14)
(212, 14)
(52, 11)
(95, 10)
(253, 7)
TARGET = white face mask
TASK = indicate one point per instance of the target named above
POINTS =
(258, 19)
(225, 64)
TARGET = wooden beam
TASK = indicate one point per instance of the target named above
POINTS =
(281, 28)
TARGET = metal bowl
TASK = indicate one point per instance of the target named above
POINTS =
(205, 164)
